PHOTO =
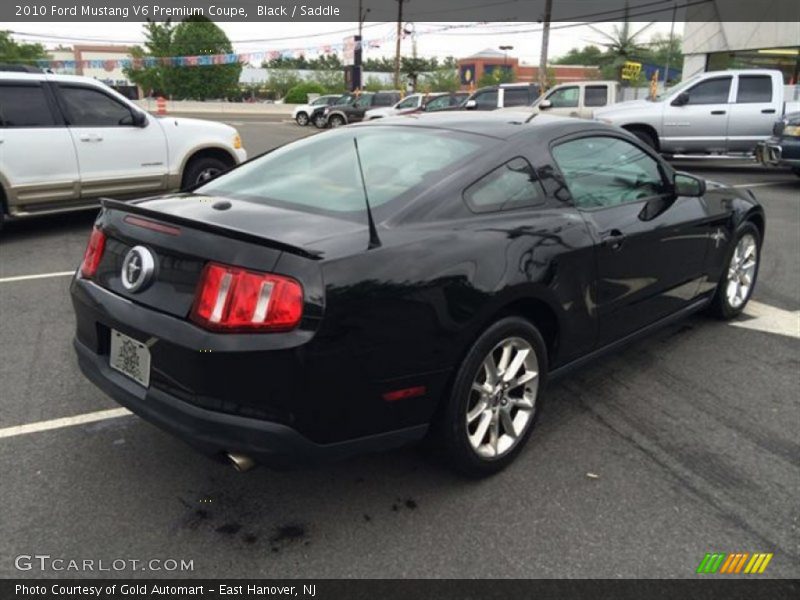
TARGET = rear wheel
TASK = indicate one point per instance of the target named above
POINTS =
(496, 398)
(302, 119)
(336, 121)
(739, 276)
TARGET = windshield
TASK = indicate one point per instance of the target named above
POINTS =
(676, 88)
(320, 174)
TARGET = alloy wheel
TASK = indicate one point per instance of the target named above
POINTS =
(502, 398)
(302, 119)
(741, 271)
(207, 175)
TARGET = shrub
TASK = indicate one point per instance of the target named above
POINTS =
(299, 93)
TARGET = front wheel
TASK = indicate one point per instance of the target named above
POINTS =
(336, 121)
(203, 169)
(496, 398)
(302, 119)
(739, 276)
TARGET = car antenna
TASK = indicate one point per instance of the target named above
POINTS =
(374, 240)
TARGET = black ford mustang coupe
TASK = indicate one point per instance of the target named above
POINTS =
(364, 287)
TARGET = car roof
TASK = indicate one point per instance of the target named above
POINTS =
(494, 124)
(19, 76)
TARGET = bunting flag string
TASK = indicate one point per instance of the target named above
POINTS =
(208, 59)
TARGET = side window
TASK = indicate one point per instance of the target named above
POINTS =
(596, 95)
(608, 171)
(92, 108)
(486, 100)
(363, 101)
(410, 102)
(754, 88)
(515, 97)
(565, 97)
(509, 186)
(711, 91)
(457, 99)
(438, 103)
(24, 106)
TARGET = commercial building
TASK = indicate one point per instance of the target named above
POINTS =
(472, 69)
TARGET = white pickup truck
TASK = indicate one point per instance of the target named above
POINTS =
(66, 140)
(578, 99)
(721, 112)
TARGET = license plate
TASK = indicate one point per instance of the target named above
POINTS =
(130, 357)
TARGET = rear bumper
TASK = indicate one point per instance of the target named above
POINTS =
(216, 433)
(778, 152)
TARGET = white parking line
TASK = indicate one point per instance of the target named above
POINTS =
(769, 319)
(92, 417)
(30, 277)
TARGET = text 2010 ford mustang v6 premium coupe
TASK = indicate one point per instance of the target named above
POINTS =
(271, 316)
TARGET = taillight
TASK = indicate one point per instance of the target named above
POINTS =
(93, 254)
(234, 299)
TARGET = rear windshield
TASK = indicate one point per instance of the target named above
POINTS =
(320, 174)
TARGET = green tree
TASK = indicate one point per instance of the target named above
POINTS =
(496, 76)
(326, 62)
(299, 93)
(12, 51)
(589, 55)
(373, 84)
(281, 81)
(198, 36)
(153, 79)
(621, 46)
(332, 81)
(440, 80)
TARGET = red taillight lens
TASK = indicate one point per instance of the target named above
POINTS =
(234, 299)
(93, 254)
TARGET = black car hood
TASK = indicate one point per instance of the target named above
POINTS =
(312, 234)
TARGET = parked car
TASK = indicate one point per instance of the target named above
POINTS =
(503, 95)
(342, 114)
(302, 112)
(724, 112)
(318, 117)
(65, 141)
(783, 148)
(426, 277)
(409, 104)
(578, 99)
(433, 102)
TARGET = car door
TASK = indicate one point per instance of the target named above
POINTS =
(115, 158)
(700, 124)
(486, 100)
(753, 113)
(594, 97)
(38, 163)
(564, 101)
(407, 105)
(650, 244)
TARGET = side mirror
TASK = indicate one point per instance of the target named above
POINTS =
(545, 104)
(470, 105)
(681, 99)
(688, 185)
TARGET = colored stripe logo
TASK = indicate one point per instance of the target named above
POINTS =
(734, 563)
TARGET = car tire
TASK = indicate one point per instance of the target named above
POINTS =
(483, 430)
(646, 137)
(202, 169)
(320, 122)
(301, 119)
(738, 278)
(336, 121)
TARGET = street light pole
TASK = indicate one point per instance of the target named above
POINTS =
(548, 8)
(397, 47)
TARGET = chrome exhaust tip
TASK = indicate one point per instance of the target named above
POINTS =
(240, 462)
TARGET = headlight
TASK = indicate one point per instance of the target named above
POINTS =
(237, 142)
(792, 130)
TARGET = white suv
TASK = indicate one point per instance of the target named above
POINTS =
(66, 141)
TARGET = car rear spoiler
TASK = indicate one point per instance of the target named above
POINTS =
(244, 236)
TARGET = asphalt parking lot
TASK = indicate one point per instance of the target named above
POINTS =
(683, 444)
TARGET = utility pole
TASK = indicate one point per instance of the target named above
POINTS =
(669, 48)
(397, 47)
(358, 52)
(548, 8)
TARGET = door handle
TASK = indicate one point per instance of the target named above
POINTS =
(768, 111)
(613, 239)
(717, 112)
(90, 137)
